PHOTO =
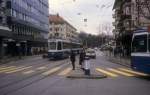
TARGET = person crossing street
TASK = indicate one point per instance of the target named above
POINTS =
(73, 59)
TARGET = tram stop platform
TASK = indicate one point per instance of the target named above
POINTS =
(78, 73)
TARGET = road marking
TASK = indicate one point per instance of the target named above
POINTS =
(106, 72)
(133, 72)
(51, 71)
(120, 72)
(65, 72)
(28, 72)
(21, 69)
(41, 68)
(10, 69)
(4, 68)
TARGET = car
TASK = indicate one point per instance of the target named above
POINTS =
(91, 53)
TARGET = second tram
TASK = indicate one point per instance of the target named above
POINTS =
(58, 48)
(140, 56)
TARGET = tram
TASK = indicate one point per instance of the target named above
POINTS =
(58, 48)
(140, 56)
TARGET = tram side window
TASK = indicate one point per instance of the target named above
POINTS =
(139, 43)
(66, 45)
(59, 47)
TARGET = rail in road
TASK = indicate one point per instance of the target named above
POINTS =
(32, 76)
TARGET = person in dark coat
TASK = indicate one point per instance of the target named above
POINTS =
(81, 58)
(73, 59)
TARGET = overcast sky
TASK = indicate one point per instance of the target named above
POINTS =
(97, 12)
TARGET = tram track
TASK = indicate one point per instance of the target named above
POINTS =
(4, 87)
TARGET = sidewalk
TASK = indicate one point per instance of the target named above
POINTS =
(13, 59)
(118, 60)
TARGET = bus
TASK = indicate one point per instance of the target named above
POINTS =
(140, 55)
(58, 48)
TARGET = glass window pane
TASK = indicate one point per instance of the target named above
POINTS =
(139, 43)
(59, 47)
(52, 45)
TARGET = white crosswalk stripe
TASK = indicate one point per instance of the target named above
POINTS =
(116, 72)
(65, 72)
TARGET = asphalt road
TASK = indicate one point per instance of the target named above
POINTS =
(37, 76)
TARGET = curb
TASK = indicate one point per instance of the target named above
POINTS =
(13, 59)
(86, 77)
(116, 61)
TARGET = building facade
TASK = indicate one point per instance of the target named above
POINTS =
(61, 29)
(128, 17)
(24, 26)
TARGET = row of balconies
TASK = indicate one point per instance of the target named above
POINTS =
(5, 4)
(123, 17)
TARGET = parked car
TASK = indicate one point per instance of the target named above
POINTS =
(91, 53)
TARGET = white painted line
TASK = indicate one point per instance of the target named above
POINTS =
(65, 72)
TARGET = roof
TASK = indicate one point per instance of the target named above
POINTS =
(58, 20)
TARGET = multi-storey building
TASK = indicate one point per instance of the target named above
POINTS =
(61, 29)
(128, 17)
(23, 25)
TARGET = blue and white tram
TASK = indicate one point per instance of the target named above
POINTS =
(58, 48)
(140, 56)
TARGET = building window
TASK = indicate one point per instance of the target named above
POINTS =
(56, 34)
(1, 19)
(50, 29)
(56, 29)
(14, 14)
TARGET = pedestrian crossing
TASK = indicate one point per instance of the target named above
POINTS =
(106, 72)
(117, 72)
(65, 72)
(61, 71)
(28, 72)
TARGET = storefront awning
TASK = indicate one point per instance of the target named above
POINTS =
(5, 31)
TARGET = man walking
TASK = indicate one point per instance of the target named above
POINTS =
(81, 58)
(73, 59)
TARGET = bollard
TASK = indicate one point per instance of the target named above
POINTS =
(87, 66)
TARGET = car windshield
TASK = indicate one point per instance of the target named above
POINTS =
(90, 51)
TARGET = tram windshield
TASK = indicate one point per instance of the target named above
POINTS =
(52, 45)
(139, 43)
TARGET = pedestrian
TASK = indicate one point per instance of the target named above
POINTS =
(73, 59)
(81, 58)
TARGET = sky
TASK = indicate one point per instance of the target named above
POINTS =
(85, 15)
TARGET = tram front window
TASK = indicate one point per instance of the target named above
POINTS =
(52, 45)
(139, 43)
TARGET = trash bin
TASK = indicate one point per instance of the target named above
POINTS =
(87, 66)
